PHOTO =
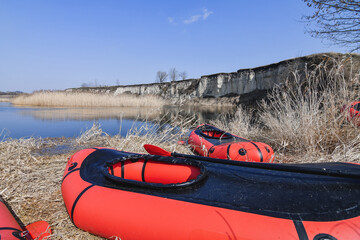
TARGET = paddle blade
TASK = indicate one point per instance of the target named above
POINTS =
(39, 230)
(155, 150)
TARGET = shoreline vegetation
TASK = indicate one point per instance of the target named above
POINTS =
(6, 98)
(301, 120)
(69, 99)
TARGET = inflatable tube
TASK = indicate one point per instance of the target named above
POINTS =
(209, 141)
(353, 114)
(113, 193)
(11, 230)
(9, 227)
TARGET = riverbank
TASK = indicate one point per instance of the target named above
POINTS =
(301, 120)
(32, 169)
(79, 99)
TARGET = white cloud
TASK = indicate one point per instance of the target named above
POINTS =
(192, 19)
(206, 13)
(171, 20)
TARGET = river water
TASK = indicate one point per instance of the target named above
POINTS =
(25, 122)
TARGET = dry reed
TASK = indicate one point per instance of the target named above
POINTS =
(302, 118)
(241, 124)
(76, 99)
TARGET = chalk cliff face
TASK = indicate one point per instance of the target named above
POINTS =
(236, 87)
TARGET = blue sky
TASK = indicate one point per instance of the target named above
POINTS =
(59, 44)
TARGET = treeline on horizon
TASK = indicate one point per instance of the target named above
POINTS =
(11, 93)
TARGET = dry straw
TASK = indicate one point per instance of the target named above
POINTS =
(79, 99)
(302, 118)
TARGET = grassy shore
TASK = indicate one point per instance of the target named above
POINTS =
(31, 171)
(301, 120)
(70, 99)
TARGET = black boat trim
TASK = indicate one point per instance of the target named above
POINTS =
(74, 170)
(228, 152)
(260, 153)
(143, 170)
(247, 189)
(300, 229)
(77, 200)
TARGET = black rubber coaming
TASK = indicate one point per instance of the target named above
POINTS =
(300, 229)
(215, 141)
(136, 157)
(253, 190)
(77, 200)
(209, 128)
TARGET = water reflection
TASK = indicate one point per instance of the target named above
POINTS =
(64, 114)
(19, 122)
(141, 113)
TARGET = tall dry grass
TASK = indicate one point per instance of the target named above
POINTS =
(78, 99)
(242, 124)
(302, 118)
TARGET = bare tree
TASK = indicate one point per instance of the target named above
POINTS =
(173, 74)
(161, 76)
(183, 75)
(336, 20)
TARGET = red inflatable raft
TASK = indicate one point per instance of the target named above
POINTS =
(353, 114)
(113, 194)
(207, 140)
(11, 230)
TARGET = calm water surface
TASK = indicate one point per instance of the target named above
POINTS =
(17, 122)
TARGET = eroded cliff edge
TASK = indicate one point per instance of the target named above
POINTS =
(242, 86)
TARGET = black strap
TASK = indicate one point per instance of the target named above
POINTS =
(300, 229)
(76, 201)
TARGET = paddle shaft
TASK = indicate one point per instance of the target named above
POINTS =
(272, 166)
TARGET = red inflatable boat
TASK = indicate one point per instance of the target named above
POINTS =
(353, 114)
(11, 230)
(209, 141)
(113, 194)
